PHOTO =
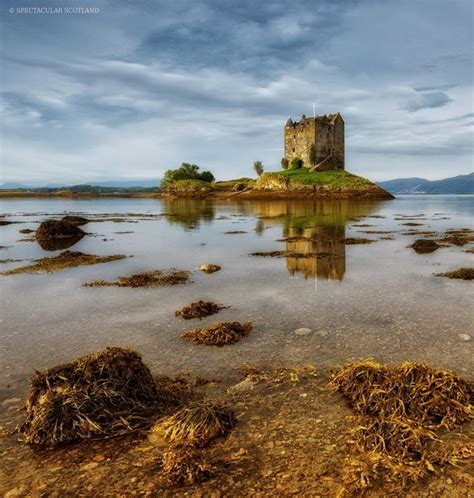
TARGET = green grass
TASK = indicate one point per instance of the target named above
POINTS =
(333, 179)
(229, 184)
(191, 185)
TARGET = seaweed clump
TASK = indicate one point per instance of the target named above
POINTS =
(219, 334)
(399, 411)
(462, 273)
(108, 393)
(196, 424)
(199, 310)
(67, 259)
(153, 278)
(425, 246)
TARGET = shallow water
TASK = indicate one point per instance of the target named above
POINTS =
(378, 300)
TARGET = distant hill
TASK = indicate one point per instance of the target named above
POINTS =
(96, 187)
(13, 186)
(462, 184)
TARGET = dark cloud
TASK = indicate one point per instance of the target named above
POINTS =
(428, 100)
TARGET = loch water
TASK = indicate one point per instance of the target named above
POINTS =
(379, 300)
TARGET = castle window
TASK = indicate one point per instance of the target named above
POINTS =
(293, 149)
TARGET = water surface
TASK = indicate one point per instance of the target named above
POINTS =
(379, 300)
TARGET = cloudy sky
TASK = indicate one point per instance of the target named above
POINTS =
(136, 87)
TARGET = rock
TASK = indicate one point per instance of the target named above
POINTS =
(425, 246)
(464, 337)
(54, 235)
(75, 220)
(303, 331)
(209, 268)
(57, 228)
(245, 385)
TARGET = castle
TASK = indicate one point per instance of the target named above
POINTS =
(317, 141)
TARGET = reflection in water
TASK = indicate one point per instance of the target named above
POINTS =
(59, 243)
(313, 227)
(318, 225)
(324, 240)
(189, 212)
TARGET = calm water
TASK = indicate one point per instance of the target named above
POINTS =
(377, 300)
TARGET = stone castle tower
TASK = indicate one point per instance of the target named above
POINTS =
(324, 134)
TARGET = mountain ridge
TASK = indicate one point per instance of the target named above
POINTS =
(460, 184)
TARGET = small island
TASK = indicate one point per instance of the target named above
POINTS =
(313, 166)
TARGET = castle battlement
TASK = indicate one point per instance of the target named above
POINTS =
(323, 134)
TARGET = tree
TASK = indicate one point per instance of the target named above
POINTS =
(206, 176)
(258, 167)
(284, 163)
(296, 163)
(312, 155)
(185, 172)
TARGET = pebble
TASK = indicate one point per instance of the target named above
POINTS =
(321, 333)
(245, 385)
(209, 268)
(303, 331)
(464, 337)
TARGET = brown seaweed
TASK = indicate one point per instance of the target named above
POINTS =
(219, 334)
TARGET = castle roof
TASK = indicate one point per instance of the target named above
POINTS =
(330, 118)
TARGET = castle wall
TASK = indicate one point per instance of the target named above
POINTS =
(338, 154)
(298, 140)
(327, 137)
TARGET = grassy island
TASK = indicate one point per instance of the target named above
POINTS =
(291, 183)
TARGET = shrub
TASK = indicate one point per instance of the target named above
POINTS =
(285, 163)
(185, 172)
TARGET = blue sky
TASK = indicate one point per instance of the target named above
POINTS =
(138, 86)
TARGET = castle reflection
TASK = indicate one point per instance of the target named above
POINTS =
(325, 241)
(314, 228)
(309, 227)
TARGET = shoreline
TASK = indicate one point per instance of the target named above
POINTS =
(292, 437)
(251, 195)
